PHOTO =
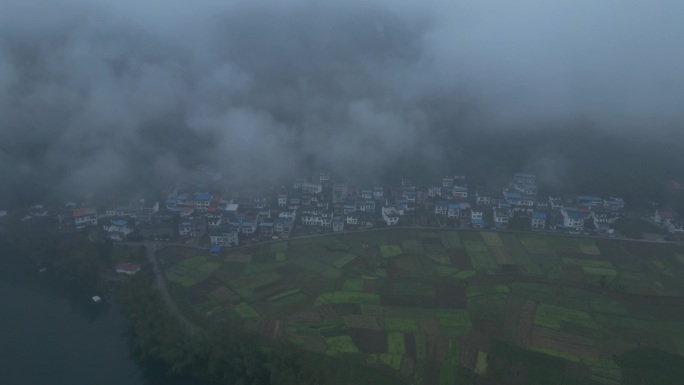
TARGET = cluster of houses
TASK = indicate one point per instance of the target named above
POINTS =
(319, 204)
(482, 209)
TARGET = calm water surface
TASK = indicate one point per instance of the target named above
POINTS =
(50, 334)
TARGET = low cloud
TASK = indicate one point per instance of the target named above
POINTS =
(116, 93)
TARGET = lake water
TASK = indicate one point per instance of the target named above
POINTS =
(50, 334)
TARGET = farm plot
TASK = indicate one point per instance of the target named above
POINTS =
(491, 239)
(552, 317)
(389, 251)
(450, 239)
(480, 257)
(519, 254)
(537, 245)
(564, 345)
(410, 302)
(412, 246)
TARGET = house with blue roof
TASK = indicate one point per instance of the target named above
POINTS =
(265, 229)
(282, 227)
(402, 205)
(201, 200)
(453, 210)
(368, 206)
(538, 220)
(338, 223)
(589, 201)
(184, 228)
(118, 229)
(192, 227)
(182, 199)
(248, 227)
(518, 201)
(378, 193)
(614, 204)
(348, 208)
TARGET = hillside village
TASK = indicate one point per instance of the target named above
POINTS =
(229, 217)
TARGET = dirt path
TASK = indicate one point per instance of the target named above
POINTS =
(160, 284)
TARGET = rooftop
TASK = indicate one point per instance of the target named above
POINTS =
(538, 215)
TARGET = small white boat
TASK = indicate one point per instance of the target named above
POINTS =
(97, 299)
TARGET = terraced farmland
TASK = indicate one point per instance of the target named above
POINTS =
(449, 307)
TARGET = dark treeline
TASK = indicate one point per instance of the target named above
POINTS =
(71, 256)
(220, 355)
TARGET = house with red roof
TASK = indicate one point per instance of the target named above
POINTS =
(85, 217)
(127, 268)
(662, 216)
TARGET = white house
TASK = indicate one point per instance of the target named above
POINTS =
(538, 220)
(390, 215)
(500, 216)
(573, 219)
(556, 202)
(352, 219)
(476, 218)
(482, 197)
(441, 208)
(311, 188)
(118, 229)
(460, 191)
(214, 220)
(675, 226)
(434, 191)
(311, 219)
(226, 237)
(290, 214)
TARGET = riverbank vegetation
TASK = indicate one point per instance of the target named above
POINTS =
(221, 354)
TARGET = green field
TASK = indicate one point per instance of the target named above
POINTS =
(448, 307)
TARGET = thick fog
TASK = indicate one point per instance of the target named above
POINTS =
(97, 94)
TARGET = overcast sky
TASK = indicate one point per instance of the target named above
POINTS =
(96, 92)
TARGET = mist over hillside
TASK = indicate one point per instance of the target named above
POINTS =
(119, 94)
